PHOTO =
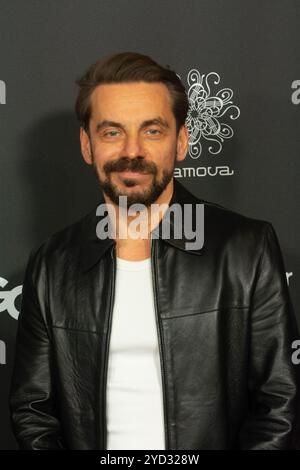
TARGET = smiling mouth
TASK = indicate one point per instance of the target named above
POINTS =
(132, 174)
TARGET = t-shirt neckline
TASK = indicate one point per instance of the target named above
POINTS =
(127, 265)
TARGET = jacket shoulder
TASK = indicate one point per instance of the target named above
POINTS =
(63, 246)
(225, 227)
(220, 216)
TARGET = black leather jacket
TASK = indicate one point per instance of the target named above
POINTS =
(225, 329)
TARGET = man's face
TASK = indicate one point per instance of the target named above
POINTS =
(133, 143)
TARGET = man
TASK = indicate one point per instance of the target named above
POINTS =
(147, 342)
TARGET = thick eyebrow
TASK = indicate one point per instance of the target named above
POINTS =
(149, 122)
(156, 121)
(106, 123)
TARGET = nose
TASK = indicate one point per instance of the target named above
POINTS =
(132, 146)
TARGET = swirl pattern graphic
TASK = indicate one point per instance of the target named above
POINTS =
(206, 110)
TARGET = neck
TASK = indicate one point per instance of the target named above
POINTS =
(133, 232)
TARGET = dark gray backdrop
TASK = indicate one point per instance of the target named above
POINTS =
(45, 45)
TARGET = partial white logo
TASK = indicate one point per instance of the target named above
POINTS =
(206, 112)
(192, 172)
(288, 275)
(296, 94)
(2, 352)
(8, 299)
(2, 92)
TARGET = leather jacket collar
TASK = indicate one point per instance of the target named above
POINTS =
(93, 248)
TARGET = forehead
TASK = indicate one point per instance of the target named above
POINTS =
(138, 100)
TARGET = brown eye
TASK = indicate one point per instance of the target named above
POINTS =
(111, 133)
(153, 131)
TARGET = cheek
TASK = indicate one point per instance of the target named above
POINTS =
(103, 154)
(168, 156)
(162, 153)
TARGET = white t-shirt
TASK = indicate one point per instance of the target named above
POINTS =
(135, 418)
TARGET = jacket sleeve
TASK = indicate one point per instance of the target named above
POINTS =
(34, 415)
(272, 419)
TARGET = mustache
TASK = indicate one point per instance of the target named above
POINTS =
(130, 164)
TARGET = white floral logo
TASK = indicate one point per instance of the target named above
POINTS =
(206, 110)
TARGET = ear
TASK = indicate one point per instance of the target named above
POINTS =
(182, 143)
(85, 146)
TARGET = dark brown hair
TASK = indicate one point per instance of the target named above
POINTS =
(129, 67)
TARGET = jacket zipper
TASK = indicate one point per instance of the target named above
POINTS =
(165, 403)
(161, 345)
(109, 321)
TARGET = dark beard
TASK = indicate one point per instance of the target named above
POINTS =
(146, 197)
